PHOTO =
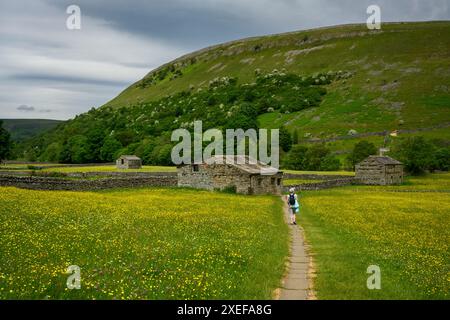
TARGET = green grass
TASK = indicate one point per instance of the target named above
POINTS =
(111, 169)
(428, 182)
(402, 66)
(405, 233)
(288, 182)
(140, 244)
(331, 173)
(22, 166)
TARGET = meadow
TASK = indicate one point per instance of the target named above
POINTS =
(140, 244)
(288, 182)
(402, 229)
(332, 173)
(111, 168)
(65, 169)
(167, 243)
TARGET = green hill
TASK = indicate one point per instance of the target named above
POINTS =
(335, 85)
(23, 129)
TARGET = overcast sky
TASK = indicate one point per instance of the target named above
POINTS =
(48, 71)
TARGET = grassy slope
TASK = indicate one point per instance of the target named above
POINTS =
(400, 75)
(23, 129)
(140, 243)
(405, 234)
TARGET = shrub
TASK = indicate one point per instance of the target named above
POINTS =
(229, 189)
(285, 139)
(360, 151)
(316, 157)
(330, 163)
(296, 158)
(442, 159)
(109, 149)
(416, 153)
(5, 143)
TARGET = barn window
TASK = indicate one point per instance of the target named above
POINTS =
(195, 168)
(278, 182)
(122, 161)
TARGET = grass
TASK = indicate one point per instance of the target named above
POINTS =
(333, 173)
(288, 182)
(112, 169)
(405, 233)
(428, 182)
(397, 75)
(23, 166)
(140, 244)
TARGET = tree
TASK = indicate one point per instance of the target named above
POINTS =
(245, 118)
(296, 158)
(5, 142)
(158, 155)
(441, 159)
(416, 153)
(125, 137)
(109, 148)
(330, 163)
(95, 139)
(52, 153)
(295, 139)
(75, 150)
(164, 155)
(360, 151)
(147, 152)
(285, 139)
(315, 156)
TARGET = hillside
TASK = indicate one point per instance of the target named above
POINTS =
(23, 129)
(335, 85)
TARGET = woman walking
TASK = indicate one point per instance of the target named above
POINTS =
(293, 204)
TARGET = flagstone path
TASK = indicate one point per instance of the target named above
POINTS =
(297, 283)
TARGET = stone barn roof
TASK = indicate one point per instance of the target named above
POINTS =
(128, 157)
(385, 160)
(244, 163)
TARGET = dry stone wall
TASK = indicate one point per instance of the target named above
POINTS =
(325, 184)
(47, 183)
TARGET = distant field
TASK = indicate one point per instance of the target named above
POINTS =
(405, 233)
(20, 166)
(67, 169)
(111, 169)
(140, 244)
(287, 182)
(344, 173)
(438, 181)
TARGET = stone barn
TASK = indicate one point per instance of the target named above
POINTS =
(129, 162)
(221, 172)
(379, 170)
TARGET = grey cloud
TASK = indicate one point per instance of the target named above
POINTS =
(25, 108)
(194, 23)
(48, 78)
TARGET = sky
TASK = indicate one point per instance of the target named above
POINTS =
(48, 71)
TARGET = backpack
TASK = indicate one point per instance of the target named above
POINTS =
(292, 199)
